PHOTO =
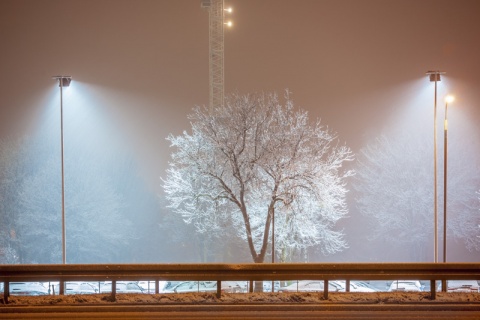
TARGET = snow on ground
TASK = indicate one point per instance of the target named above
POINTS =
(247, 298)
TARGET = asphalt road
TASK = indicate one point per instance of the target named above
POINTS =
(231, 312)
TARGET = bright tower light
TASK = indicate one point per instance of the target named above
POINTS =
(217, 24)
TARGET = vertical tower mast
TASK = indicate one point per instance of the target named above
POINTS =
(216, 51)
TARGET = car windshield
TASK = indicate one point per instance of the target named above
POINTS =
(364, 284)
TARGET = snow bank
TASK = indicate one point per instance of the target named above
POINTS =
(246, 298)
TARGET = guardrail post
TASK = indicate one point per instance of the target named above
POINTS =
(6, 291)
(114, 290)
(444, 285)
(347, 285)
(250, 288)
(61, 287)
(325, 289)
(433, 290)
(157, 284)
(219, 289)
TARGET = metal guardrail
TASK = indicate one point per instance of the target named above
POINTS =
(239, 272)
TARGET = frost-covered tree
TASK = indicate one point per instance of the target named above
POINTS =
(98, 222)
(96, 231)
(183, 244)
(11, 175)
(394, 184)
(30, 210)
(256, 158)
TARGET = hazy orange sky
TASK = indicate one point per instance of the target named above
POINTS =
(144, 63)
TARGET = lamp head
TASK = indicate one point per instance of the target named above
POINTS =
(435, 75)
(63, 81)
(449, 98)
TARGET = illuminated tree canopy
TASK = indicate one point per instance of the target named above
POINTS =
(256, 158)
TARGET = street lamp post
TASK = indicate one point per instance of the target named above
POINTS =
(435, 77)
(63, 81)
(448, 100)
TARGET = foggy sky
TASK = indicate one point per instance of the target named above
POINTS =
(142, 65)
(351, 63)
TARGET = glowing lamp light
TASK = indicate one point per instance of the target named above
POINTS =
(229, 10)
(449, 99)
(229, 24)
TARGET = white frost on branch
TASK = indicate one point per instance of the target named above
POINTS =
(253, 158)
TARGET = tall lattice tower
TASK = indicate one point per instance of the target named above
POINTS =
(216, 17)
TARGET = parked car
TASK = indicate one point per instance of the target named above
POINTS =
(80, 288)
(121, 287)
(310, 286)
(379, 285)
(356, 286)
(233, 287)
(206, 286)
(242, 285)
(27, 289)
(405, 285)
(169, 285)
(51, 286)
(74, 287)
(149, 286)
(267, 286)
(462, 286)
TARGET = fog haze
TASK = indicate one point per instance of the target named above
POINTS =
(139, 67)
